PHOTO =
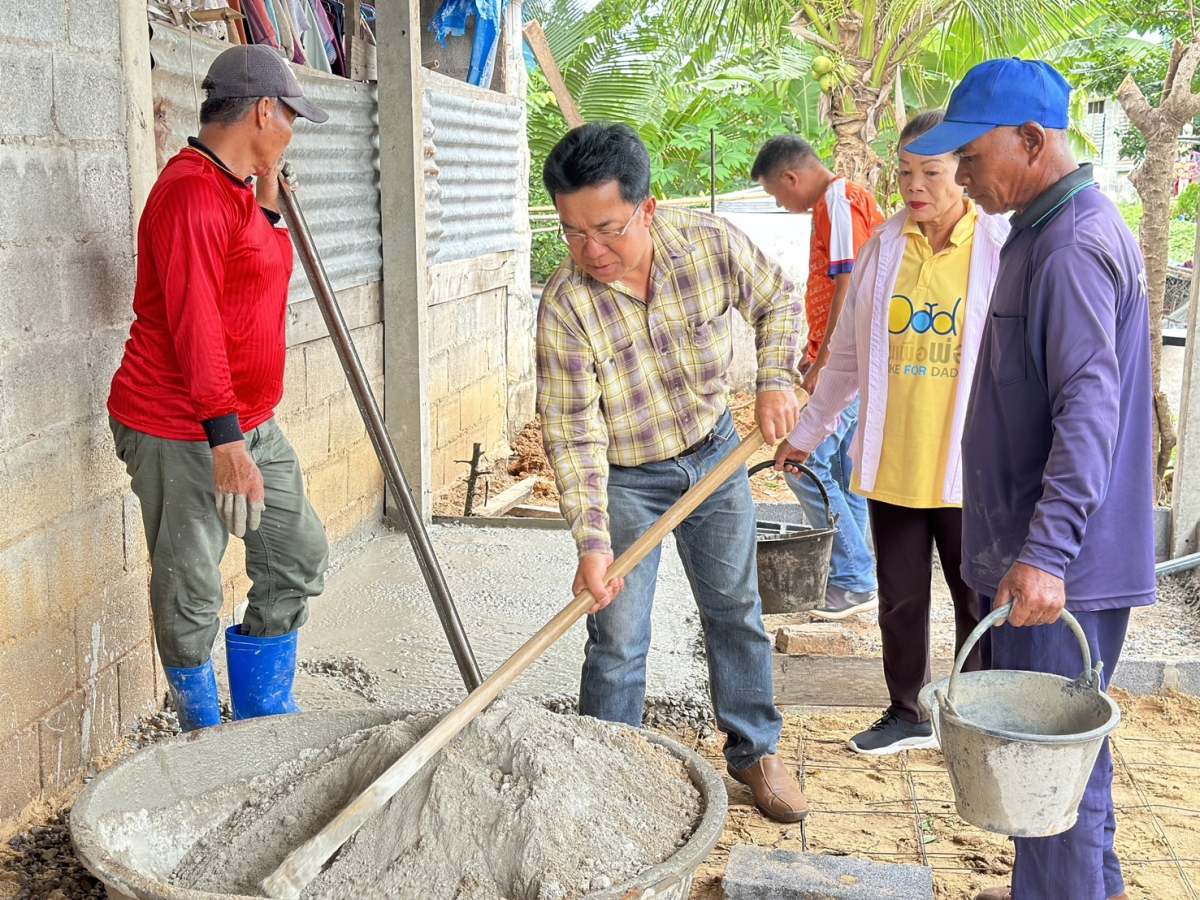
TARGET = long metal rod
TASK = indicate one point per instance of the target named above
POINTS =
(1179, 564)
(360, 387)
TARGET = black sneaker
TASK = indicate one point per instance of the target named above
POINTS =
(892, 734)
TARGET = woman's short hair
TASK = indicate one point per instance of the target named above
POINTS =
(919, 124)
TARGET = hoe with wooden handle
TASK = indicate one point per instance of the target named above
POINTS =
(304, 863)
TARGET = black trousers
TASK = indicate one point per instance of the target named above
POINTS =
(904, 541)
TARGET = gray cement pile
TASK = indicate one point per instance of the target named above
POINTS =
(522, 805)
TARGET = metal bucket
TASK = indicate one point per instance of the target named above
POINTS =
(793, 562)
(1020, 746)
(133, 824)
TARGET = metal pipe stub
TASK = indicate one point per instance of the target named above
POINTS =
(360, 387)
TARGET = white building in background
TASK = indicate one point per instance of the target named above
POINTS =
(1106, 121)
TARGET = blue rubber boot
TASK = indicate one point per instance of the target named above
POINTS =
(195, 692)
(261, 671)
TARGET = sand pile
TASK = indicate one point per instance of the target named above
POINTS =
(523, 805)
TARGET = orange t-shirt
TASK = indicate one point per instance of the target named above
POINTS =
(842, 221)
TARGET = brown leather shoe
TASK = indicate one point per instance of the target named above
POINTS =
(775, 790)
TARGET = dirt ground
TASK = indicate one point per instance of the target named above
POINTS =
(889, 809)
(529, 458)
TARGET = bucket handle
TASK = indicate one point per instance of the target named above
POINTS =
(830, 518)
(1090, 676)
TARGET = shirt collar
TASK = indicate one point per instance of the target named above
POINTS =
(203, 150)
(1046, 204)
(964, 228)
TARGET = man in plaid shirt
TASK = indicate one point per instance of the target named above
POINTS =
(633, 351)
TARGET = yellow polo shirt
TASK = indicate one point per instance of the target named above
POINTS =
(925, 320)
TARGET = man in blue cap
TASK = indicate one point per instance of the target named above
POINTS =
(1058, 477)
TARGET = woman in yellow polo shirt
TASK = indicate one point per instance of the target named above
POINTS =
(908, 339)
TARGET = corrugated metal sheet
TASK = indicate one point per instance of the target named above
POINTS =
(337, 163)
(477, 150)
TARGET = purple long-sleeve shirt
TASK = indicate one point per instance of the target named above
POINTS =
(1057, 466)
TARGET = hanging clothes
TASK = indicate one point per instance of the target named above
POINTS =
(259, 22)
(239, 25)
(337, 17)
(328, 36)
(291, 44)
(314, 44)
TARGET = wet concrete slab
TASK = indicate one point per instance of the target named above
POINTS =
(506, 583)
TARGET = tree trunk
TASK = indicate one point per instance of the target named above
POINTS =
(1153, 179)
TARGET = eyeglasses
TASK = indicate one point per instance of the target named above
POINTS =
(578, 239)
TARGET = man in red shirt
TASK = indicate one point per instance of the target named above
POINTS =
(844, 216)
(192, 403)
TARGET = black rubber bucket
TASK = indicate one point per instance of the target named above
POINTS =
(793, 561)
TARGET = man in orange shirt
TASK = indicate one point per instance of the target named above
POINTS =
(844, 215)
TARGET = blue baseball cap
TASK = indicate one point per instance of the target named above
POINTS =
(998, 92)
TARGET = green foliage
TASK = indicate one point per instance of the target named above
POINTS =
(1186, 203)
(1182, 246)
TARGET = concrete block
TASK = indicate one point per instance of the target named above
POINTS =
(294, 377)
(101, 713)
(816, 639)
(110, 624)
(135, 679)
(89, 97)
(369, 341)
(307, 431)
(104, 184)
(87, 553)
(22, 779)
(782, 513)
(760, 873)
(44, 172)
(42, 22)
(360, 517)
(97, 274)
(35, 479)
(473, 409)
(443, 327)
(37, 672)
(439, 376)
(1139, 676)
(137, 555)
(323, 372)
(233, 565)
(346, 428)
(31, 292)
(24, 587)
(27, 102)
(364, 474)
(1162, 533)
(61, 739)
(99, 474)
(445, 422)
(326, 486)
(94, 24)
(1187, 673)
(47, 383)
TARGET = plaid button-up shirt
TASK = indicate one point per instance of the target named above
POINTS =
(628, 382)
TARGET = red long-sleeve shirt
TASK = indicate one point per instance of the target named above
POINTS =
(209, 339)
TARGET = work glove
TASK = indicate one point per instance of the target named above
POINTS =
(238, 513)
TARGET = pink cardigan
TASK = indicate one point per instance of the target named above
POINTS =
(858, 354)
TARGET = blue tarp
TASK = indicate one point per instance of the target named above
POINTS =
(451, 20)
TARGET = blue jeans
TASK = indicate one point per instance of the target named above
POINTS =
(851, 565)
(1080, 863)
(717, 544)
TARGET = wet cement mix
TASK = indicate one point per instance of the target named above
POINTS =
(523, 805)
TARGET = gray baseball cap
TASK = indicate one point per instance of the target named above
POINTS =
(255, 70)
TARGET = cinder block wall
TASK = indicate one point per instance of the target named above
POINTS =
(467, 379)
(77, 666)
